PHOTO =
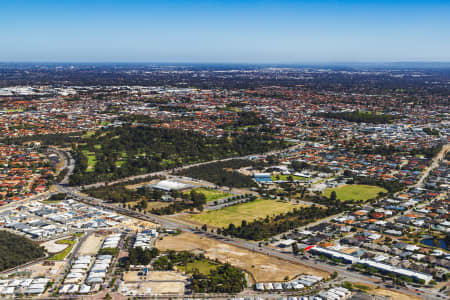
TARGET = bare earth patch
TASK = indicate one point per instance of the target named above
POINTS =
(395, 295)
(42, 269)
(155, 282)
(262, 267)
(131, 276)
(91, 245)
(141, 225)
(157, 288)
(150, 205)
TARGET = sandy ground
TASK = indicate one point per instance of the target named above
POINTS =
(262, 267)
(141, 184)
(39, 269)
(157, 287)
(151, 204)
(395, 295)
(101, 295)
(53, 247)
(91, 245)
(153, 275)
(142, 225)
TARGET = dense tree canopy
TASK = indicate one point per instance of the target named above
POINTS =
(16, 250)
(361, 117)
(220, 173)
(128, 150)
(224, 279)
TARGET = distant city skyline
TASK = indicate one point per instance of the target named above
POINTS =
(225, 31)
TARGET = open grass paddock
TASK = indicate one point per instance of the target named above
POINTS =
(355, 192)
(246, 211)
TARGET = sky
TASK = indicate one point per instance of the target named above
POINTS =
(224, 31)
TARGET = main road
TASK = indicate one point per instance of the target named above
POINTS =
(244, 244)
(434, 164)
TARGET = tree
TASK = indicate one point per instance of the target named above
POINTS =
(295, 249)
(107, 297)
(204, 227)
(333, 196)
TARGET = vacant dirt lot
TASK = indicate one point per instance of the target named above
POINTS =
(262, 267)
(395, 295)
(132, 276)
(40, 269)
(141, 225)
(151, 204)
(91, 245)
(157, 288)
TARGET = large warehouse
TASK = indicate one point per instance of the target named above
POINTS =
(170, 185)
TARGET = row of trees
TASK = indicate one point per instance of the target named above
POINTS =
(391, 186)
(247, 118)
(46, 139)
(265, 228)
(118, 193)
(220, 173)
(360, 117)
(301, 165)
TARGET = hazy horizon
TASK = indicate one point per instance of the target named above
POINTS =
(274, 32)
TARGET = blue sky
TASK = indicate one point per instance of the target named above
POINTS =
(224, 31)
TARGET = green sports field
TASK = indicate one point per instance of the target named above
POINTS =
(286, 177)
(203, 266)
(246, 211)
(355, 192)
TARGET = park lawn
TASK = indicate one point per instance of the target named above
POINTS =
(91, 160)
(98, 146)
(119, 163)
(51, 201)
(355, 192)
(88, 134)
(285, 177)
(202, 265)
(246, 211)
(212, 194)
(61, 255)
